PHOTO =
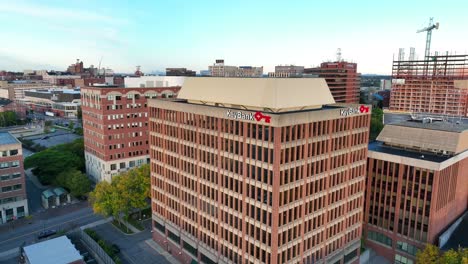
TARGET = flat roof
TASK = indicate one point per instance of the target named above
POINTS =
(378, 146)
(436, 125)
(277, 94)
(6, 139)
(59, 250)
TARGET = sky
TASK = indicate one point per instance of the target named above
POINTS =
(155, 34)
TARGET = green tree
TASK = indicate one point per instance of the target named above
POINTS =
(128, 191)
(102, 199)
(451, 257)
(376, 124)
(430, 255)
(77, 182)
(71, 125)
(49, 163)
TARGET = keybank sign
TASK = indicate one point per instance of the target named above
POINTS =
(258, 116)
(240, 115)
(354, 110)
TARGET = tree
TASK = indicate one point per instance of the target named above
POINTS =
(432, 255)
(48, 164)
(75, 181)
(102, 199)
(71, 125)
(376, 124)
(128, 191)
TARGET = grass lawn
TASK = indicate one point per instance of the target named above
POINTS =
(136, 223)
(122, 227)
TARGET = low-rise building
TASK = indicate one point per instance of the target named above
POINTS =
(219, 69)
(58, 250)
(13, 201)
(287, 71)
(417, 178)
(57, 102)
(154, 81)
(179, 72)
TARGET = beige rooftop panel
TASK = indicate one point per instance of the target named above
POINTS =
(424, 139)
(273, 93)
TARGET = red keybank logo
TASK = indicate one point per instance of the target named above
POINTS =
(249, 116)
(364, 109)
(259, 116)
(354, 110)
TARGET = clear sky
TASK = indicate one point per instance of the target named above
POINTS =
(51, 34)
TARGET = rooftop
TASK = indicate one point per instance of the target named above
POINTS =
(6, 139)
(378, 146)
(459, 235)
(441, 126)
(59, 250)
(435, 137)
(267, 94)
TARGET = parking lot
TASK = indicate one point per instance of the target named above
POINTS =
(54, 138)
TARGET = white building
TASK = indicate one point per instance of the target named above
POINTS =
(154, 81)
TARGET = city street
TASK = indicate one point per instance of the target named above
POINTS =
(14, 234)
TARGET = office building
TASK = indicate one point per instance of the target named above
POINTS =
(179, 72)
(258, 170)
(13, 201)
(115, 127)
(153, 81)
(437, 85)
(416, 186)
(287, 71)
(219, 69)
(342, 79)
(57, 102)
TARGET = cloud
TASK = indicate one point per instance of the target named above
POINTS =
(60, 14)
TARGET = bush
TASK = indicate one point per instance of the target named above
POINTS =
(111, 249)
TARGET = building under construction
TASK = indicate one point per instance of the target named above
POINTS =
(437, 85)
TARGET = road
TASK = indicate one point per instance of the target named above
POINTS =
(133, 248)
(12, 235)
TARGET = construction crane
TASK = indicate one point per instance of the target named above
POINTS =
(429, 35)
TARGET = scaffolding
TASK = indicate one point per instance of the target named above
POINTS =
(437, 85)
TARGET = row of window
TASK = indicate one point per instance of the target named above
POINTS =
(11, 164)
(8, 177)
(11, 188)
(7, 153)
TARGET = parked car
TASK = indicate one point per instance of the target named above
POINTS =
(46, 233)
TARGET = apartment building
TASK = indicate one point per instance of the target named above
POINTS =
(115, 127)
(13, 201)
(287, 71)
(219, 69)
(258, 170)
(416, 186)
(342, 79)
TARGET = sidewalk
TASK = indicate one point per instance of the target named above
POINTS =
(34, 180)
(160, 250)
(42, 216)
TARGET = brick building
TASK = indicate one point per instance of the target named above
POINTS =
(416, 186)
(258, 170)
(13, 201)
(342, 79)
(115, 127)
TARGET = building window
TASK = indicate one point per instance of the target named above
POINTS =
(113, 166)
(14, 163)
(380, 238)
(402, 260)
(13, 152)
(407, 248)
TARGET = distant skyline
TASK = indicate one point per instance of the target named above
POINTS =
(52, 34)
